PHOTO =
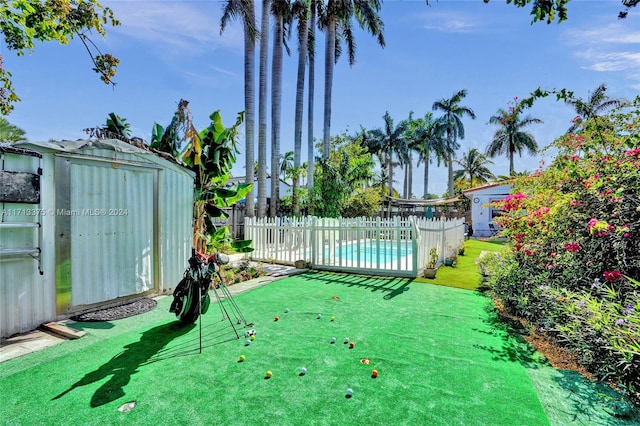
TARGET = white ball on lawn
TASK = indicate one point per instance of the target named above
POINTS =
(303, 370)
(349, 391)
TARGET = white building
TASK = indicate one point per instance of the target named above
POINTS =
(482, 213)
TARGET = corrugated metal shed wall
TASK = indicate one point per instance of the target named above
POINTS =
(25, 298)
(112, 231)
(176, 225)
(25, 306)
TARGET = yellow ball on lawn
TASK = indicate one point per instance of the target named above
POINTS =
(253, 337)
(242, 357)
(269, 374)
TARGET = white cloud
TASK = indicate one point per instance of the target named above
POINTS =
(609, 48)
(616, 33)
(449, 22)
(611, 61)
(175, 26)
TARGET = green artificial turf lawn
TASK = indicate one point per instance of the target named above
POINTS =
(465, 273)
(442, 360)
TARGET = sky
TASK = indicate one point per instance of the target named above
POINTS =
(172, 50)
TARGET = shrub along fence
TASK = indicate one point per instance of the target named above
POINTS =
(374, 246)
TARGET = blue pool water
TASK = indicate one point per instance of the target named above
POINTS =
(369, 253)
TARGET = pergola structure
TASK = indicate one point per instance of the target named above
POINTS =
(417, 207)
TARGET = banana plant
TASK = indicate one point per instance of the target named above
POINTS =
(211, 154)
(117, 127)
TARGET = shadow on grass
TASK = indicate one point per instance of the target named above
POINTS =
(592, 403)
(391, 286)
(513, 348)
(154, 345)
(95, 325)
(595, 402)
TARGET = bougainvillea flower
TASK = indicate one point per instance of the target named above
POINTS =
(612, 276)
(635, 152)
(572, 247)
(513, 201)
(599, 228)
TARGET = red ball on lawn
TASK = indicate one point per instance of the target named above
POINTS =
(351, 345)
(374, 373)
(276, 318)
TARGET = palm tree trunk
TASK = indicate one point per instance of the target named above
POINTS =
(511, 151)
(302, 61)
(410, 182)
(390, 173)
(311, 50)
(330, 57)
(262, 110)
(426, 179)
(450, 165)
(405, 185)
(250, 111)
(276, 102)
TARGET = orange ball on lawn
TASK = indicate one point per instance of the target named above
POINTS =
(374, 373)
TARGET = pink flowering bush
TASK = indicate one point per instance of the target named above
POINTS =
(574, 260)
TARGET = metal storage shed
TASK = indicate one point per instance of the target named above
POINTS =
(114, 222)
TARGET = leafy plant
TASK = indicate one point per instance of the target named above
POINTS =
(23, 23)
(574, 255)
(211, 154)
(434, 255)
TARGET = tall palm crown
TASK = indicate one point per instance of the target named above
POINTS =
(430, 143)
(10, 133)
(245, 10)
(597, 103)
(390, 141)
(335, 18)
(474, 164)
(510, 137)
(454, 129)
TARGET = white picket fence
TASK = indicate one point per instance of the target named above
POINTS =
(394, 247)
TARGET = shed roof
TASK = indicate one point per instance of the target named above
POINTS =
(415, 202)
(484, 187)
(85, 146)
(12, 149)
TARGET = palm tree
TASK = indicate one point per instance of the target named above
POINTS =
(596, 103)
(406, 156)
(287, 164)
(430, 144)
(474, 164)
(389, 141)
(10, 133)
(245, 10)
(313, 8)
(300, 9)
(336, 20)
(510, 137)
(262, 109)
(452, 122)
(280, 9)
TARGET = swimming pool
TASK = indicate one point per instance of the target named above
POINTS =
(383, 251)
